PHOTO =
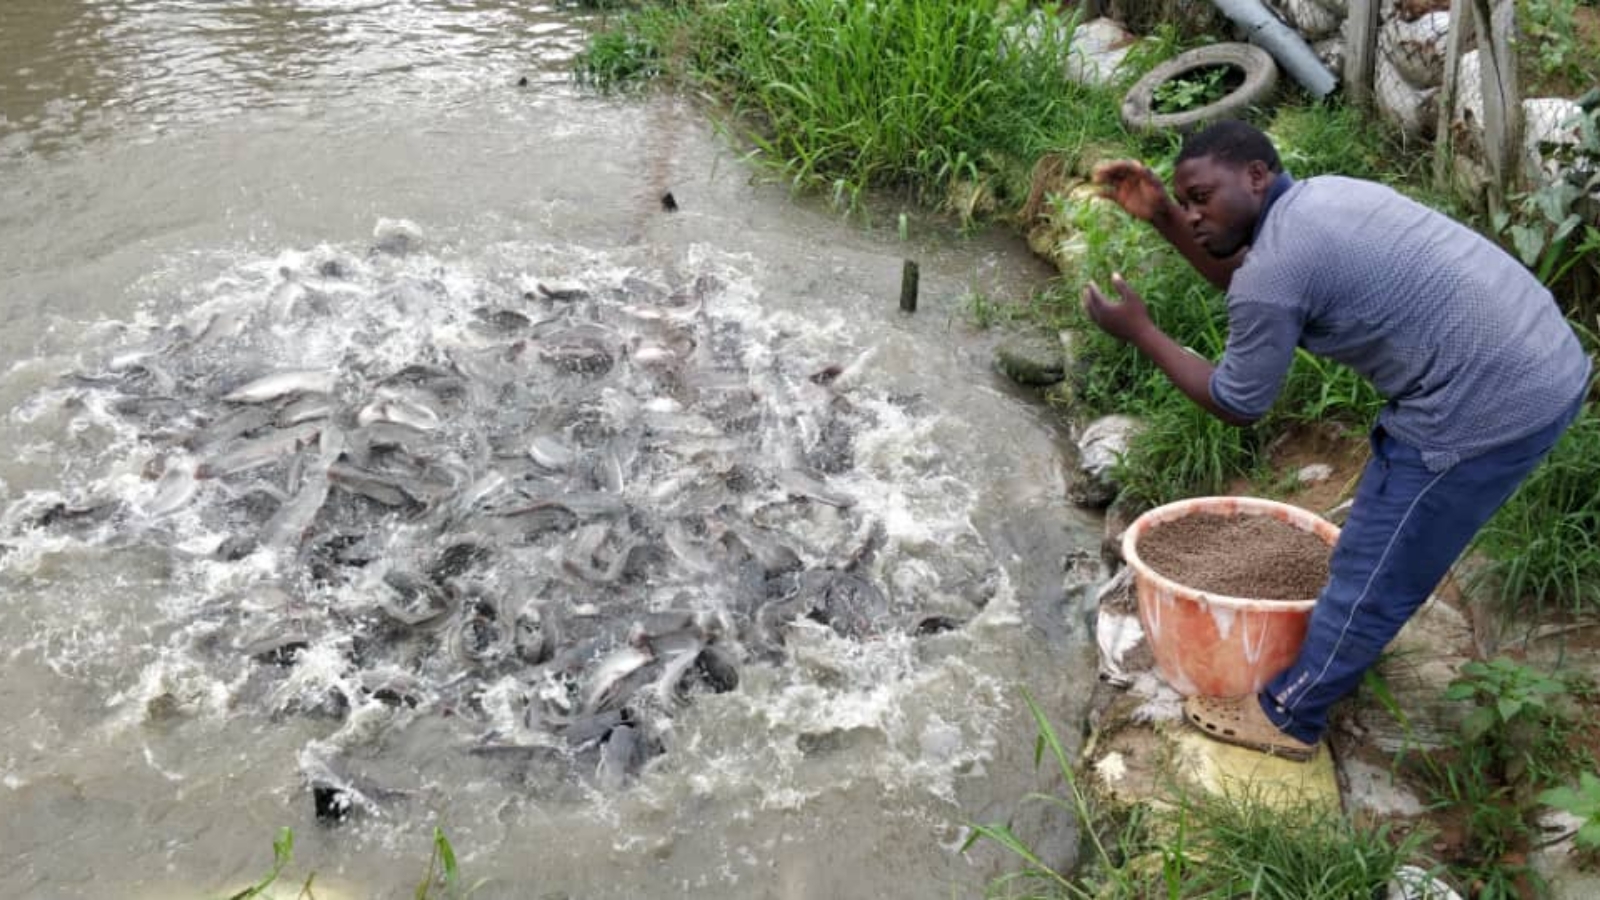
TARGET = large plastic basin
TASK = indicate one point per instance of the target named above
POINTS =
(1213, 645)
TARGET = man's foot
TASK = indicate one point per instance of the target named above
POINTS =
(1239, 720)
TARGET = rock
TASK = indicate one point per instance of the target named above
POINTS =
(1100, 447)
(1032, 362)
(1099, 47)
(1413, 883)
(1417, 670)
(1316, 473)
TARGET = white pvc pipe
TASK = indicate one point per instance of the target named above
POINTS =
(1264, 29)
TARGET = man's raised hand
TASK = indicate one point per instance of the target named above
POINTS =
(1125, 319)
(1134, 187)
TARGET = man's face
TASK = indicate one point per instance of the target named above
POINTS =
(1221, 201)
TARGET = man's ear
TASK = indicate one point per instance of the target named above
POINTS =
(1260, 176)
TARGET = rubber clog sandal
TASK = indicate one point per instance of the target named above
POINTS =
(1240, 721)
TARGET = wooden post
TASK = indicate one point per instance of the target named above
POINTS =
(1444, 142)
(1361, 52)
(1502, 101)
(908, 287)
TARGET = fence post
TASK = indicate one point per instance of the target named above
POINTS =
(1444, 143)
(1502, 101)
(1361, 51)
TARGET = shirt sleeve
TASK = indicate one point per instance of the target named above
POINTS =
(1261, 341)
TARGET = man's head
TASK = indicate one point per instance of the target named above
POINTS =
(1221, 181)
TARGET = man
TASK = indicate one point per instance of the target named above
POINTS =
(1480, 371)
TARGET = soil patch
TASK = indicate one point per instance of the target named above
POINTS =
(1256, 557)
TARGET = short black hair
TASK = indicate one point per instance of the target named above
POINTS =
(1231, 141)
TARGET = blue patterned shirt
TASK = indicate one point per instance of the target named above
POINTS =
(1468, 348)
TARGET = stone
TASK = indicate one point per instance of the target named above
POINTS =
(1226, 770)
(1100, 447)
(1416, 670)
(1030, 361)
(1099, 47)
(1316, 473)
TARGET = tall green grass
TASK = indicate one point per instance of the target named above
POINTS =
(847, 96)
(1544, 545)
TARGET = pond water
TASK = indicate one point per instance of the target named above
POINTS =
(386, 455)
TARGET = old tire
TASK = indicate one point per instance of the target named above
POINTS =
(1260, 78)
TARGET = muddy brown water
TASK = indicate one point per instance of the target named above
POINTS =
(1256, 557)
(162, 161)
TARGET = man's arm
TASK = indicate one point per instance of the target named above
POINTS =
(1135, 187)
(1130, 322)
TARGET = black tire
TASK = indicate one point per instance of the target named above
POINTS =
(1260, 78)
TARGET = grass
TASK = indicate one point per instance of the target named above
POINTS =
(1543, 547)
(1220, 846)
(440, 881)
(848, 96)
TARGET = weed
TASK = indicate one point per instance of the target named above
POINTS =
(282, 855)
(1583, 802)
(442, 872)
(1516, 740)
(1552, 27)
(984, 311)
(616, 58)
(1200, 88)
(1543, 546)
(1519, 719)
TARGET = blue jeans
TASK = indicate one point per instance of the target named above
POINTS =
(1406, 528)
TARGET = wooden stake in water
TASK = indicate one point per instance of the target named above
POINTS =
(908, 287)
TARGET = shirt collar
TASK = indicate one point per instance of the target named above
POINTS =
(1281, 183)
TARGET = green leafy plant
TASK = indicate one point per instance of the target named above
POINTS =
(1519, 717)
(1506, 692)
(1543, 235)
(1546, 226)
(1194, 90)
(1583, 802)
(1552, 28)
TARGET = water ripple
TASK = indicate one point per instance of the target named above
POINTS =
(90, 67)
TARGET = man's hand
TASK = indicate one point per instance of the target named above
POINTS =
(1125, 321)
(1134, 187)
